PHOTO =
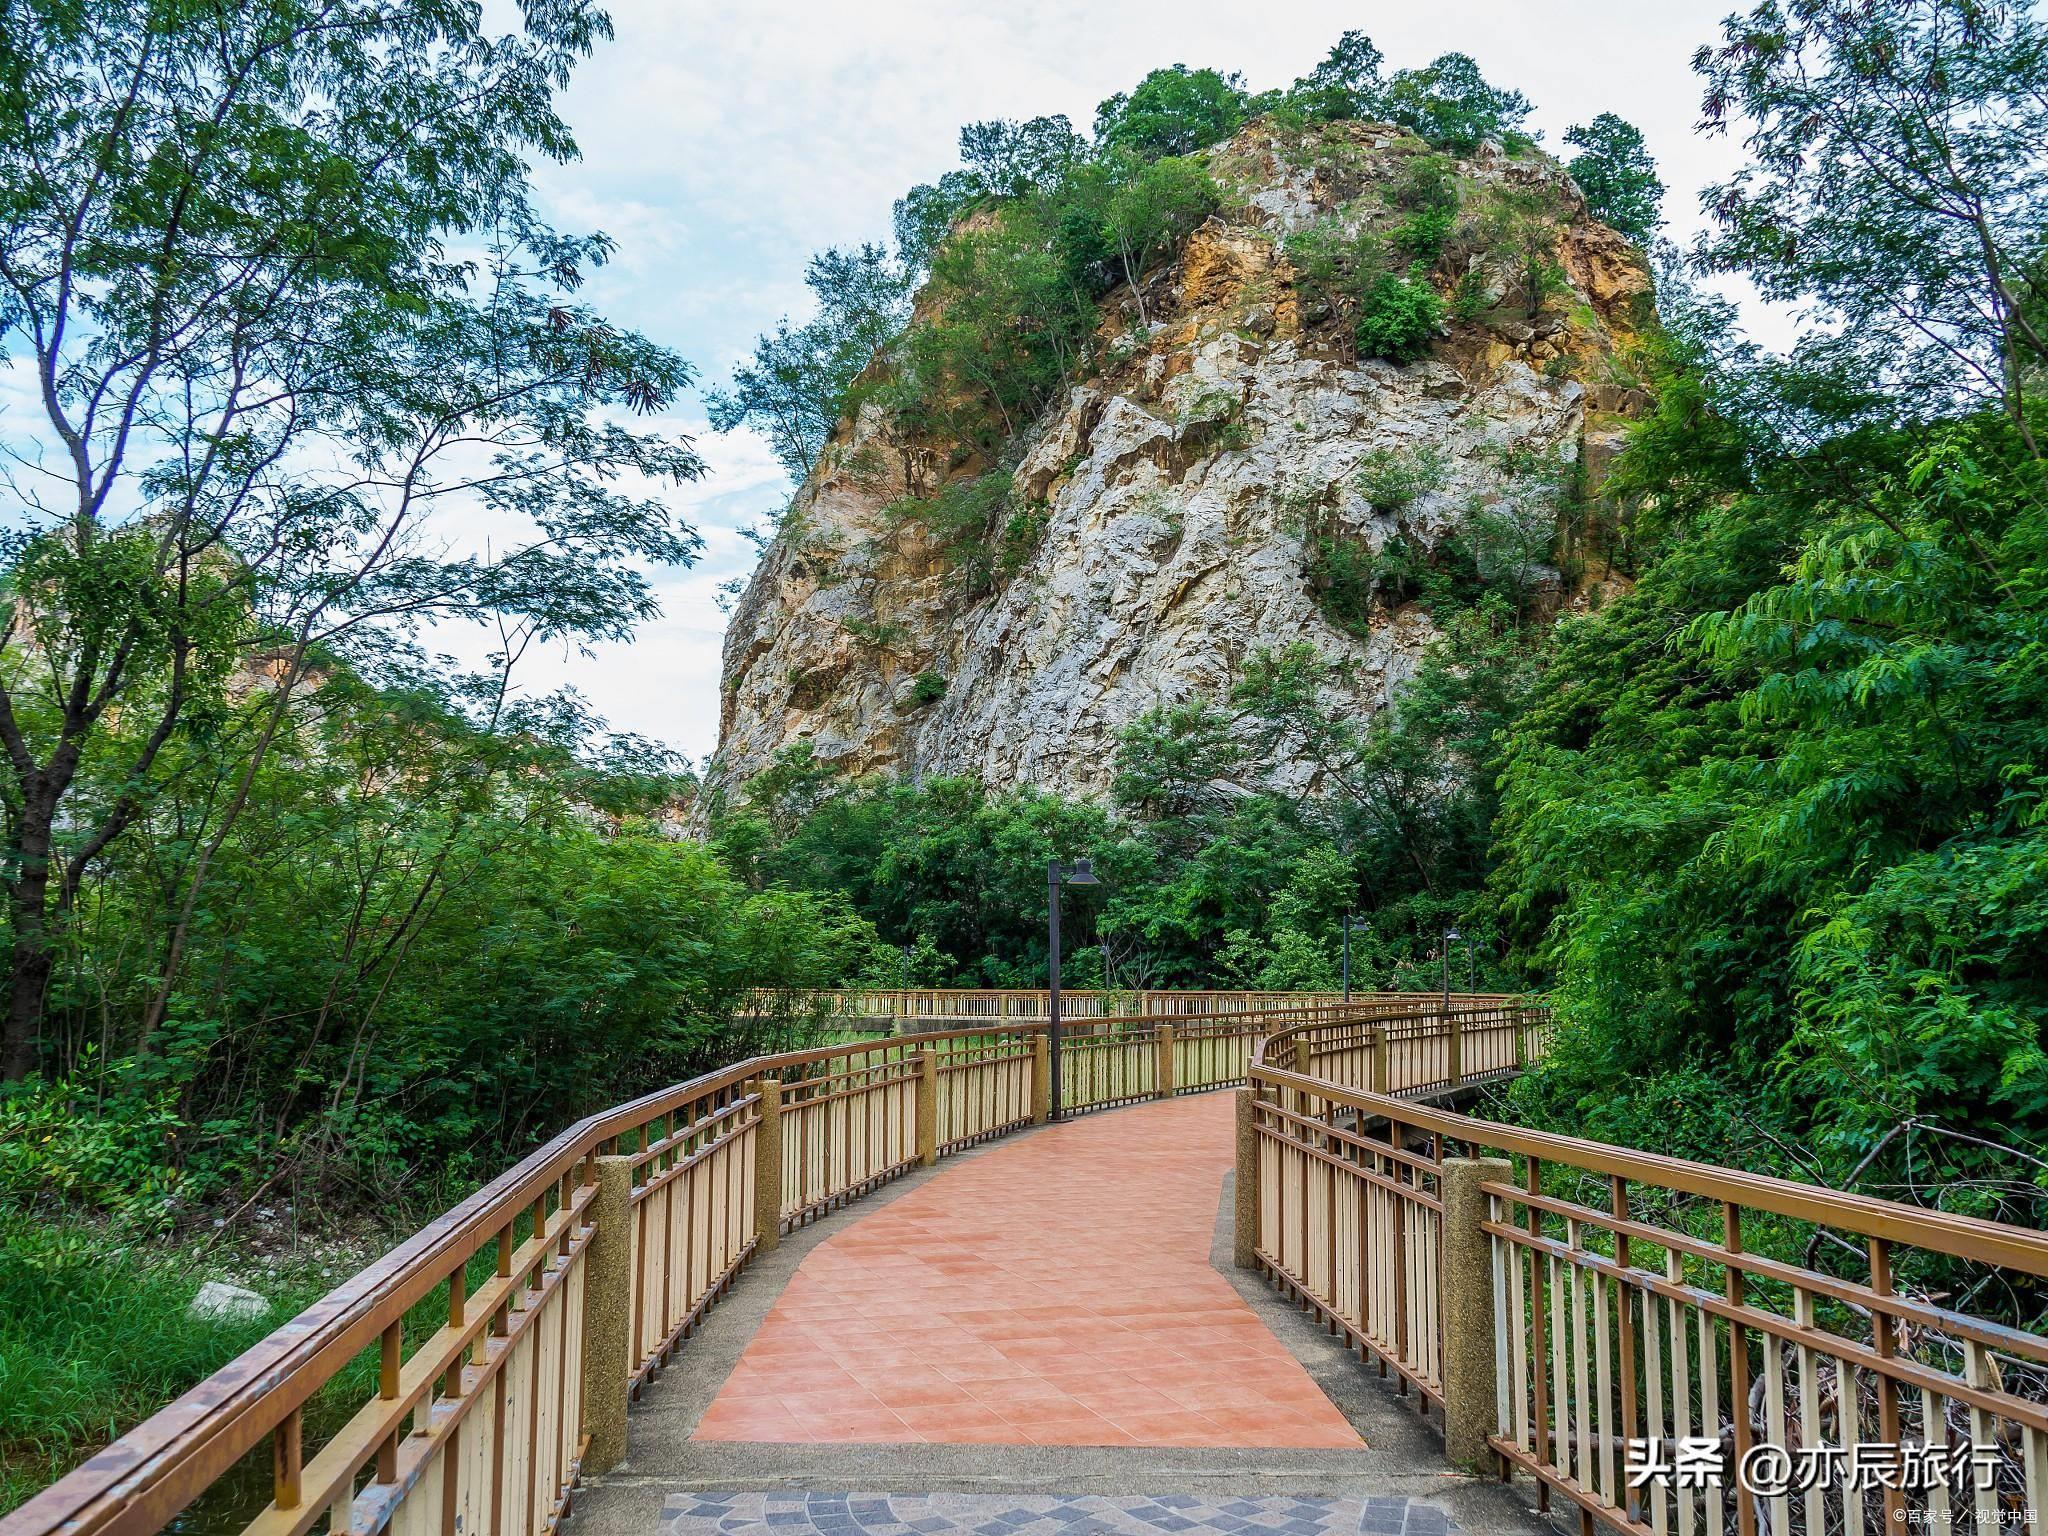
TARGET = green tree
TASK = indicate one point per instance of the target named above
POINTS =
(1150, 209)
(261, 376)
(1614, 169)
(1451, 107)
(1172, 112)
(799, 382)
(1398, 317)
(1346, 84)
(1010, 159)
(1897, 182)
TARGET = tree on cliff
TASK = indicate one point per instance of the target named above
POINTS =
(1450, 105)
(1614, 169)
(1172, 112)
(795, 388)
(277, 277)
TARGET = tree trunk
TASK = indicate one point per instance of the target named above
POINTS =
(28, 975)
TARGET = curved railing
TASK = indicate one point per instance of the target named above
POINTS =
(509, 1333)
(911, 1006)
(1628, 1328)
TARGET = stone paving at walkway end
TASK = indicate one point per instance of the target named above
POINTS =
(797, 1513)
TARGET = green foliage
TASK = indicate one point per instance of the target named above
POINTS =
(1450, 106)
(1152, 205)
(972, 526)
(1398, 317)
(1520, 226)
(1391, 478)
(228, 244)
(1172, 112)
(1777, 818)
(58, 1148)
(927, 688)
(1345, 85)
(1897, 193)
(1615, 171)
(1420, 237)
(800, 380)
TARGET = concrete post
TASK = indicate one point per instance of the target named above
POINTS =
(1245, 1244)
(927, 1107)
(608, 1316)
(1162, 1044)
(1471, 1395)
(1457, 1050)
(1041, 1079)
(768, 1167)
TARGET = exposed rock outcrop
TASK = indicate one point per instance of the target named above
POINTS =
(1181, 488)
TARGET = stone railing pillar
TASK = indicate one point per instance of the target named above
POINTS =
(1245, 1211)
(927, 1107)
(1041, 1078)
(1162, 1045)
(1471, 1396)
(768, 1167)
(608, 1315)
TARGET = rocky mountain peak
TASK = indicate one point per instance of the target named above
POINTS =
(1228, 473)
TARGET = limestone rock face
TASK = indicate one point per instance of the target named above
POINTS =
(1182, 486)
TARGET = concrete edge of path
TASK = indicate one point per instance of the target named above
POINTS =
(1403, 1456)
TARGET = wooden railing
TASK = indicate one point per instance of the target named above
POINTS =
(1570, 1307)
(509, 1334)
(913, 1005)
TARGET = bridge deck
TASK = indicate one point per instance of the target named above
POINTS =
(1056, 1290)
(1043, 1336)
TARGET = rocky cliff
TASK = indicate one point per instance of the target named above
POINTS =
(1183, 501)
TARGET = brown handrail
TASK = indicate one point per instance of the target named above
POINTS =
(148, 1476)
(1597, 1354)
(1970, 1237)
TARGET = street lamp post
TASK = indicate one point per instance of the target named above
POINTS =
(1451, 936)
(1347, 957)
(1080, 872)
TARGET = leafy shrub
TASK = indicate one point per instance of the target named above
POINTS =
(1391, 478)
(1469, 300)
(1398, 317)
(927, 688)
(57, 1139)
(1421, 235)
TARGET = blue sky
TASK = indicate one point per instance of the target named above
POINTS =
(725, 142)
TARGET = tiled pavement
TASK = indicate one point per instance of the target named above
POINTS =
(1056, 1291)
(797, 1513)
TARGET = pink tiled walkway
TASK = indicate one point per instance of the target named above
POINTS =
(1055, 1290)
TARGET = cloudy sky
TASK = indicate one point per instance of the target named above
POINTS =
(724, 142)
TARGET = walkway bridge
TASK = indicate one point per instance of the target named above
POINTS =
(1405, 1320)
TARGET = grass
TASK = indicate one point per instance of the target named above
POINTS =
(95, 1336)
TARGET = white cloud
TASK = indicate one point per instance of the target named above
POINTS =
(723, 142)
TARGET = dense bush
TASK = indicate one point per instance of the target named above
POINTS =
(1398, 317)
